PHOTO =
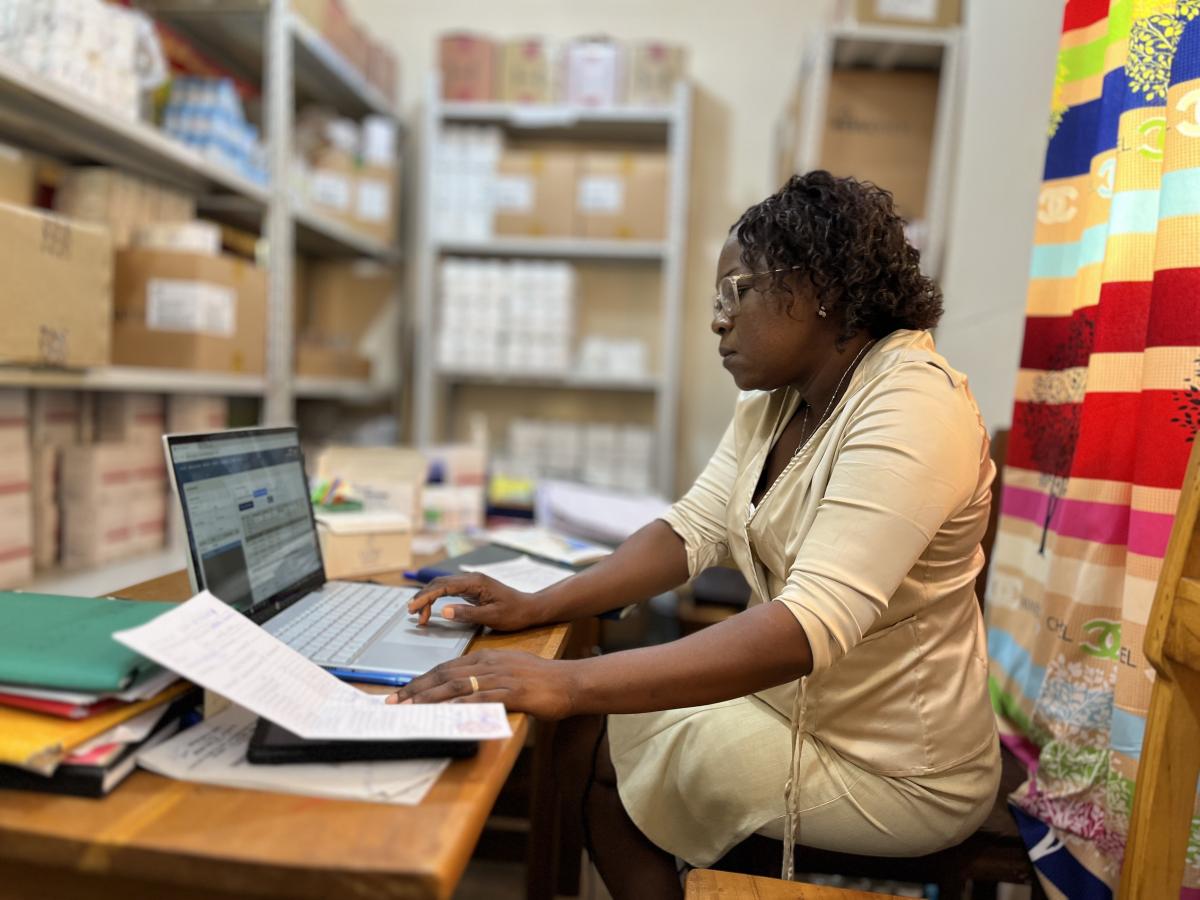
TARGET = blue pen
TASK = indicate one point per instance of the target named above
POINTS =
(426, 574)
(388, 678)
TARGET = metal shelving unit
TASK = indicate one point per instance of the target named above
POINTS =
(849, 45)
(668, 127)
(563, 382)
(263, 41)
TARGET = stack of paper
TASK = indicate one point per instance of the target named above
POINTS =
(214, 752)
(598, 514)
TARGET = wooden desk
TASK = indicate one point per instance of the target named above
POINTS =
(154, 838)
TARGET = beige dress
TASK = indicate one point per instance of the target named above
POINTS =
(870, 537)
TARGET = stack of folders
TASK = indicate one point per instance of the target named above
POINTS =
(75, 705)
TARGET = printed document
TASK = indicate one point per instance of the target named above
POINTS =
(215, 646)
(214, 752)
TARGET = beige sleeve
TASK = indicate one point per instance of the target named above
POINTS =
(908, 461)
(699, 517)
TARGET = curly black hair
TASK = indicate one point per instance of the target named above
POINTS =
(846, 236)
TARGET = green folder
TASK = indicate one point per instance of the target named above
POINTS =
(66, 642)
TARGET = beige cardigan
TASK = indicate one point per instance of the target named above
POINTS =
(870, 537)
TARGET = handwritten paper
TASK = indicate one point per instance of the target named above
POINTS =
(523, 573)
(213, 645)
(214, 752)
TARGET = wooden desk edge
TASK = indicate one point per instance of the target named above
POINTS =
(127, 862)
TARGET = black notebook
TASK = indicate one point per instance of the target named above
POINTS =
(272, 745)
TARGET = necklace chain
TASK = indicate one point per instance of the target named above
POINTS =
(837, 390)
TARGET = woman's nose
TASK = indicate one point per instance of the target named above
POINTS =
(720, 324)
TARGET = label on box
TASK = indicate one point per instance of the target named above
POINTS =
(195, 306)
(330, 189)
(601, 194)
(374, 200)
(512, 193)
(916, 10)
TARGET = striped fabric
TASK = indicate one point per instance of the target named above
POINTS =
(1107, 406)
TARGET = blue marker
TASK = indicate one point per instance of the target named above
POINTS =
(388, 678)
(426, 574)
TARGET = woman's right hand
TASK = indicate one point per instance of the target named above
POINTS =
(489, 602)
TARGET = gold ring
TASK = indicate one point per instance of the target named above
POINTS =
(474, 685)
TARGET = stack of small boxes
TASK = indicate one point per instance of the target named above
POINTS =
(612, 456)
(16, 515)
(511, 317)
(588, 71)
(114, 491)
(100, 50)
(483, 188)
(206, 114)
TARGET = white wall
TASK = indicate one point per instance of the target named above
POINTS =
(744, 60)
(1010, 55)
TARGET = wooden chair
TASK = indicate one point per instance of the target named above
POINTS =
(1165, 794)
(705, 884)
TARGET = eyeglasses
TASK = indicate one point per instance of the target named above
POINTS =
(727, 301)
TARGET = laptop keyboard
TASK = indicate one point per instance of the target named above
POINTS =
(335, 630)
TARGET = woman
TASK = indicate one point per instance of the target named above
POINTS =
(846, 708)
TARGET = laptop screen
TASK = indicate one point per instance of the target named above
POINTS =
(247, 511)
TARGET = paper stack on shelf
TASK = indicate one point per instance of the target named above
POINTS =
(597, 514)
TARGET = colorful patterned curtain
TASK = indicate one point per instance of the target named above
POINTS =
(1107, 406)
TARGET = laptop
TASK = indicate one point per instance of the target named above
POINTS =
(252, 543)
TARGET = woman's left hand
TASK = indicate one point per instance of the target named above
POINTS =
(523, 682)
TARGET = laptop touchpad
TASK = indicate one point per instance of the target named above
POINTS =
(417, 648)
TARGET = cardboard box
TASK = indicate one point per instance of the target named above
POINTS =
(57, 298)
(16, 540)
(121, 202)
(186, 311)
(387, 478)
(56, 418)
(879, 126)
(467, 63)
(654, 70)
(190, 413)
(113, 527)
(383, 71)
(113, 502)
(45, 507)
(17, 179)
(354, 544)
(622, 195)
(322, 361)
(375, 202)
(534, 193)
(85, 473)
(921, 13)
(524, 75)
(345, 299)
(594, 72)
(131, 418)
